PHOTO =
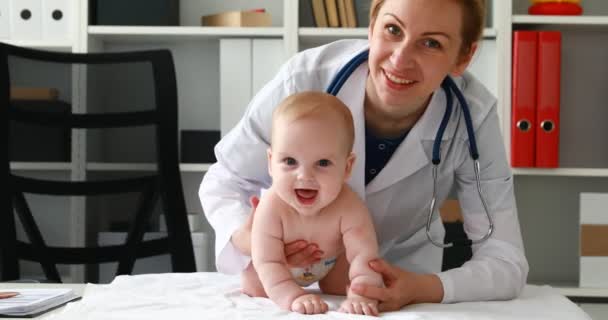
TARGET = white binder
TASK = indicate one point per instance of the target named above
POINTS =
(267, 57)
(4, 19)
(235, 81)
(56, 19)
(26, 19)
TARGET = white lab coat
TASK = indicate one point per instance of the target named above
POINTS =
(399, 196)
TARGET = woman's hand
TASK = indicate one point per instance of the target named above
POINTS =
(402, 287)
(301, 254)
(298, 253)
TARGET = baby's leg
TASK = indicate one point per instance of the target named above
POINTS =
(251, 283)
(336, 280)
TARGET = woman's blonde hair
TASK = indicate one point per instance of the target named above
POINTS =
(473, 20)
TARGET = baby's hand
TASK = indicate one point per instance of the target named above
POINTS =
(309, 304)
(360, 305)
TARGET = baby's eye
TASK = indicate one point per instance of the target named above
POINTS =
(290, 161)
(324, 163)
(432, 43)
(393, 29)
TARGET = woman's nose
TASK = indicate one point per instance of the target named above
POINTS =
(403, 55)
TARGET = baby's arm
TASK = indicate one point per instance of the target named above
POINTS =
(268, 255)
(361, 246)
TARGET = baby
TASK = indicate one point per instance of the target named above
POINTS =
(310, 160)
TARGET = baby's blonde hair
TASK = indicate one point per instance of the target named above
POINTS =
(316, 105)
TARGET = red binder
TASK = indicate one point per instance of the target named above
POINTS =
(523, 108)
(547, 99)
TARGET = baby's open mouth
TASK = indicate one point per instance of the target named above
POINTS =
(306, 196)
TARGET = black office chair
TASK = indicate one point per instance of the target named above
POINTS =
(163, 185)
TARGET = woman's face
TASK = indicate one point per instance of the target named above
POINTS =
(414, 44)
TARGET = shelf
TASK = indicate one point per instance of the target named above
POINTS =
(185, 167)
(63, 46)
(333, 32)
(573, 291)
(41, 166)
(194, 167)
(357, 33)
(129, 33)
(566, 20)
(561, 172)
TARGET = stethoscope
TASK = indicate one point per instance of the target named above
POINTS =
(448, 86)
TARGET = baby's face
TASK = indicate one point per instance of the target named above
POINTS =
(308, 163)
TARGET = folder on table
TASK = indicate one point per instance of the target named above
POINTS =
(332, 13)
(548, 99)
(523, 108)
(318, 10)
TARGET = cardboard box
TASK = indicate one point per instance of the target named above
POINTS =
(252, 18)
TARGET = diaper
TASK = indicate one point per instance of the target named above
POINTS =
(313, 273)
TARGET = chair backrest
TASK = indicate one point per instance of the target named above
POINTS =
(162, 186)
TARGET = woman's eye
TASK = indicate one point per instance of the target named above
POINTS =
(290, 161)
(393, 29)
(324, 163)
(432, 43)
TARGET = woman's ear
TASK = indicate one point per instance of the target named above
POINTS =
(350, 161)
(269, 156)
(464, 61)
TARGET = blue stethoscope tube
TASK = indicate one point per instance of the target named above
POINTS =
(450, 88)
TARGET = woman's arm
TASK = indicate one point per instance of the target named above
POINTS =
(498, 267)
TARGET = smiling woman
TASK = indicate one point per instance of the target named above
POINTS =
(397, 105)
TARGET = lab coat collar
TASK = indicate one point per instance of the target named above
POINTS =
(411, 156)
(353, 95)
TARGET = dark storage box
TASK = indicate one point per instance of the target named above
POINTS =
(135, 12)
(36, 143)
(197, 146)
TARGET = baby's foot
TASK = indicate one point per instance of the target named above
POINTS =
(309, 304)
(360, 305)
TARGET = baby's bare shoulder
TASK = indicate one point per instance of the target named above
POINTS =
(272, 204)
(348, 200)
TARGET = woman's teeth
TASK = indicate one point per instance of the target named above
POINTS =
(397, 80)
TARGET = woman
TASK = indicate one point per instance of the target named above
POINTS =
(397, 106)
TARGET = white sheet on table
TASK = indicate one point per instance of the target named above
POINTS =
(215, 296)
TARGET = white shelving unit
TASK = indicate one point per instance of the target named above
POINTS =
(550, 227)
(548, 199)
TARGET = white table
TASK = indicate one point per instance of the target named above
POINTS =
(216, 296)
